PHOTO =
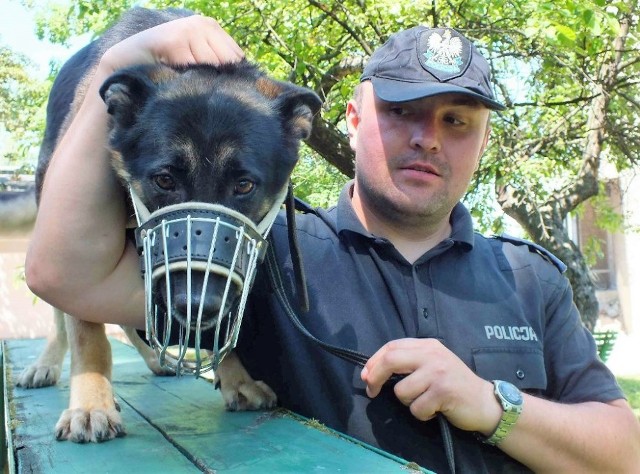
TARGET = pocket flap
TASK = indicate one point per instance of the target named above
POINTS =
(522, 367)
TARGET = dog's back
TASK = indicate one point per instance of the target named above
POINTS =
(69, 87)
(18, 209)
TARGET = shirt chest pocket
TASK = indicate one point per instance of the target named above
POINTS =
(522, 367)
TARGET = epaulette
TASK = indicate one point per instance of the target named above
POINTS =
(302, 206)
(534, 248)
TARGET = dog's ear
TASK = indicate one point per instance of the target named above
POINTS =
(297, 105)
(126, 91)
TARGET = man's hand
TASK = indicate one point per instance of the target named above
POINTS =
(436, 381)
(192, 40)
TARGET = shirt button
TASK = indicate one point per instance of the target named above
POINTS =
(425, 314)
(520, 374)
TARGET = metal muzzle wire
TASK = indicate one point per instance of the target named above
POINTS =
(200, 250)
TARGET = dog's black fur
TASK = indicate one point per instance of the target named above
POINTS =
(226, 134)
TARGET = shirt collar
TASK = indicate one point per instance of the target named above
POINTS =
(347, 220)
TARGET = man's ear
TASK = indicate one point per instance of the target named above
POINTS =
(485, 143)
(126, 91)
(352, 116)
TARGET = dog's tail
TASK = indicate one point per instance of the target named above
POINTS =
(17, 210)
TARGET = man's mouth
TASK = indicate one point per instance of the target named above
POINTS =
(421, 167)
(419, 171)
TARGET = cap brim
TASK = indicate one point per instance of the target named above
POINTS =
(399, 91)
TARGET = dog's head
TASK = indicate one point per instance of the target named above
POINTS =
(227, 135)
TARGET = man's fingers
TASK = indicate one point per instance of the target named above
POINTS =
(217, 46)
(410, 388)
(226, 49)
(191, 40)
(395, 357)
(424, 407)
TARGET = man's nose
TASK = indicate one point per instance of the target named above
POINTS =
(425, 135)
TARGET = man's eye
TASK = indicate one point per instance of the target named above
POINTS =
(397, 111)
(164, 181)
(454, 120)
(243, 186)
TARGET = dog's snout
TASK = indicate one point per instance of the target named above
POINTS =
(185, 294)
(210, 303)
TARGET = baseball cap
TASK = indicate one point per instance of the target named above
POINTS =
(422, 62)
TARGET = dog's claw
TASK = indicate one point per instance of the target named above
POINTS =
(239, 391)
(37, 376)
(249, 395)
(82, 426)
(157, 369)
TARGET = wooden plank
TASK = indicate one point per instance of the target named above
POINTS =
(6, 443)
(35, 412)
(175, 424)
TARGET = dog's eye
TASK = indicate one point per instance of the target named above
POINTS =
(165, 181)
(243, 186)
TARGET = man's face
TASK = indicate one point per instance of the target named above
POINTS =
(414, 160)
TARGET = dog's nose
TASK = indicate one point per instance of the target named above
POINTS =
(210, 301)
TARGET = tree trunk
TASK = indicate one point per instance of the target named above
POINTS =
(545, 226)
(545, 223)
(332, 145)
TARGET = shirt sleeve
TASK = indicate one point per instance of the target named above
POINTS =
(575, 372)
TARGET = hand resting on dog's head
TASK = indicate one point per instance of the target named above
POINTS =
(192, 40)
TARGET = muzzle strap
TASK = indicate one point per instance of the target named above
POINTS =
(198, 227)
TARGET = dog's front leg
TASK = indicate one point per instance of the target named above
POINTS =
(46, 370)
(239, 390)
(148, 354)
(92, 414)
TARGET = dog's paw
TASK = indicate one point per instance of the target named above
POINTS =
(239, 391)
(153, 363)
(248, 395)
(37, 376)
(84, 426)
(148, 354)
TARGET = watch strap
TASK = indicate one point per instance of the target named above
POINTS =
(510, 414)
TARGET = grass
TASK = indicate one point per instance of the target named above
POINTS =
(631, 387)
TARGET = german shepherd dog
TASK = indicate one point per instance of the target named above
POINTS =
(227, 135)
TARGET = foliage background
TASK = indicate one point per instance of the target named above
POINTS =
(631, 388)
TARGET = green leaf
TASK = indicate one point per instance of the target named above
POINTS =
(565, 34)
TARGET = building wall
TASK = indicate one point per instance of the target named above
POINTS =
(627, 254)
(616, 275)
(22, 315)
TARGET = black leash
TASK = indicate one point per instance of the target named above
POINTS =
(349, 355)
(294, 248)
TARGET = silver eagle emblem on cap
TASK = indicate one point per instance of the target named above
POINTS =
(444, 52)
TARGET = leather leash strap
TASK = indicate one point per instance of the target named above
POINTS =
(352, 356)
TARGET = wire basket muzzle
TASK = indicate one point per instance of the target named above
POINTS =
(196, 253)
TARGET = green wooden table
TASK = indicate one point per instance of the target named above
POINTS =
(174, 424)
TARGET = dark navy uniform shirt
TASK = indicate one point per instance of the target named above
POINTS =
(501, 305)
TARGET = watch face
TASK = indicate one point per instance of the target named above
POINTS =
(510, 393)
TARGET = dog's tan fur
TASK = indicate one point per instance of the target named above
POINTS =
(93, 413)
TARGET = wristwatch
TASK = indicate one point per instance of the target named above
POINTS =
(511, 400)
